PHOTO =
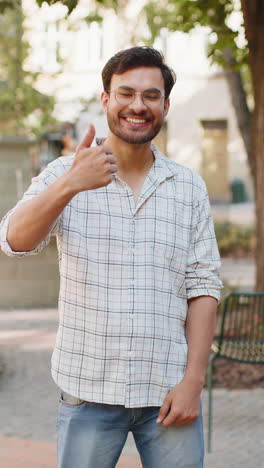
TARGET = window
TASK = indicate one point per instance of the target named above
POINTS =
(214, 168)
(49, 56)
(88, 51)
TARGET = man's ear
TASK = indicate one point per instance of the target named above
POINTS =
(166, 106)
(104, 100)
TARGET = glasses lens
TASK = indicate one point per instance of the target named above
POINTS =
(124, 96)
(151, 97)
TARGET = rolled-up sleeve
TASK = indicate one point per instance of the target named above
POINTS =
(202, 272)
(38, 185)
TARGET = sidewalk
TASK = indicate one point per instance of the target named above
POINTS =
(28, 400)
(22, 453)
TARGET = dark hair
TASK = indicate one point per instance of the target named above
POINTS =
(138, 57)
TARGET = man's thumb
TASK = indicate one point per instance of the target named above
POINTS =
(88, 139)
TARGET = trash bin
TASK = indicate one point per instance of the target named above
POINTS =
(238, 191)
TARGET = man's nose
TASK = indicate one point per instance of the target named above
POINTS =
(137, 104)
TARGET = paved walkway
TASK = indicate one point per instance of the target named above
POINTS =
(28, 401)
(23, 453)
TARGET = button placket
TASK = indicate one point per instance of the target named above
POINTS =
(132, 248)
(132, 285)
(131, 289)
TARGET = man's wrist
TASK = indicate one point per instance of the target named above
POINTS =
(197, 381)
(67, 188)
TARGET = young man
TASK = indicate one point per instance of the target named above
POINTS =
(139, 283)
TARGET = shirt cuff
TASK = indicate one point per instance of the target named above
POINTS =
(5, 246)
(203, 292)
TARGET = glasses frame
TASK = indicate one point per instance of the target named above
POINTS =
(141, 93)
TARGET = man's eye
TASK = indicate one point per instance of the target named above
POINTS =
(125, 94)
(152, 96)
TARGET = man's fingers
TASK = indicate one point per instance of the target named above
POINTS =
(170, 419)
(111, 159)
(163, 411)
(88, 139)
(113, 168)
(107, 149)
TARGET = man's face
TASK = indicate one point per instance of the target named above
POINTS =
(136, 118)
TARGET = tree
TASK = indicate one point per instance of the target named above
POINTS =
(23, 110)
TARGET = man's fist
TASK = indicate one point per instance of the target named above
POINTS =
(92, 168)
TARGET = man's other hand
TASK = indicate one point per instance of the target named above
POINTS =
(181, 406)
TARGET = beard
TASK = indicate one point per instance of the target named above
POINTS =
(133, 136)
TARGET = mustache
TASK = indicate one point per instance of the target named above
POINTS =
(132, 115)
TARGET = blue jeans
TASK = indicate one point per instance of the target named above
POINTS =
(92, 435)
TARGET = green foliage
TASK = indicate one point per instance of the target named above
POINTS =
(5, 4)
(22, 108)
(235, 240)
(71, 4)
(185, 15)
(94, 17)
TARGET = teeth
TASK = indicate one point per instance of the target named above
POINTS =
(135, 120)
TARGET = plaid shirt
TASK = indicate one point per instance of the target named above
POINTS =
(127, 270)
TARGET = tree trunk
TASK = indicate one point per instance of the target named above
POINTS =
(243, 114)
(258, 151)
(254, 23)
(239, 102)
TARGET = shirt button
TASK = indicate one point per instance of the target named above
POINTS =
(131, 316)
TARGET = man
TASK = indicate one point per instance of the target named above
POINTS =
(139, 283)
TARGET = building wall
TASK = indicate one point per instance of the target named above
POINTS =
(16, 168)
(201, 94)
(31, 281)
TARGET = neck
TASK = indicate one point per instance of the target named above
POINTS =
(133, 158)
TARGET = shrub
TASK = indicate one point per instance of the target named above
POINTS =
(235, 240)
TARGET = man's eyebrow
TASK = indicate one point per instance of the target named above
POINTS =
(128, 88)
(153, 90)
(149, 90)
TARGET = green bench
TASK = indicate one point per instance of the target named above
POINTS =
(241, 338)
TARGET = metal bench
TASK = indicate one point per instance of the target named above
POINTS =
(241, 337)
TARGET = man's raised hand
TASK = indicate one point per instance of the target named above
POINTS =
(92, 168)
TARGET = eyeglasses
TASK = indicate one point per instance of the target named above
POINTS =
(125, 96)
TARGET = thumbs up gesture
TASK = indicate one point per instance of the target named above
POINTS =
(92, 168)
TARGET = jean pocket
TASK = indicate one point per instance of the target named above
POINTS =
(69, 400)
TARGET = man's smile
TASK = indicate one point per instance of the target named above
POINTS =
(129, 119)
(136, 121)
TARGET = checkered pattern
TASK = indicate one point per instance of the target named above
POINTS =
(127, 271)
